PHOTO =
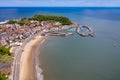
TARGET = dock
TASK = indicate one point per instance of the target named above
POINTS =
(62, 34)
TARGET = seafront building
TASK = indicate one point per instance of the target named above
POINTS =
(14, 34)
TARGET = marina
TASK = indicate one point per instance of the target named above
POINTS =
(77, 29)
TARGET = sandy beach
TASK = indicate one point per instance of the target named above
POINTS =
(27, 62)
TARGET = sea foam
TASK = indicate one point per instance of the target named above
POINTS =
(39, 73)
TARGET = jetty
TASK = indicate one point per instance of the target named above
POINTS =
(90, 33)
(62, 34)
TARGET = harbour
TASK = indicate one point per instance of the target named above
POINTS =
(77, 30)
(76, 57)
(90, 33)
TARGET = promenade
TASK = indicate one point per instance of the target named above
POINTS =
(27, 49)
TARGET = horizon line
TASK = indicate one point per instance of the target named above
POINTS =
(67, 6)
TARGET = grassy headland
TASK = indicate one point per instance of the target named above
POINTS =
(40, 17)
(62, 19)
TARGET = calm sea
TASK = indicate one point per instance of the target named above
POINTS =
(75, 57)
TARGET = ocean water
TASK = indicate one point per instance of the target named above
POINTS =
(75, 57)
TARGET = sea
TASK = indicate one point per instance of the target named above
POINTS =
(75, 57)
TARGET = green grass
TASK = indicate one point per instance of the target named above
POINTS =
(5, 58)
(5, 55)
(3, 77)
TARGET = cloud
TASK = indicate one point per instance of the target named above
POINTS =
(60, 3)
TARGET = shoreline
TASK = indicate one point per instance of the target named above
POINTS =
(3, 22)
(39, 71)
(29, 59)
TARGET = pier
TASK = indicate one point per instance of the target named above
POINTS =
(62, 34)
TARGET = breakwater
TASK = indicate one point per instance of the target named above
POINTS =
(90, 31)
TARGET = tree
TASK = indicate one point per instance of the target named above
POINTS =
(12, 22)
(3, 77)
(4, 50)
(24, 21)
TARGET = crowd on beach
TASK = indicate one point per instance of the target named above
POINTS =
(15, 34)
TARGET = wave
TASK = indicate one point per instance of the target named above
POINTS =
(39, 71)
(40, 76)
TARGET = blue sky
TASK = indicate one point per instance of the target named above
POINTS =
(103, 3)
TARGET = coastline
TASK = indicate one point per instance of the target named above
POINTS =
(3, 22)
(28, 59)
(40, 76)
(24, 59)
(75, 57)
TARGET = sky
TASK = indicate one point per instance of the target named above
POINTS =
(52, 3)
